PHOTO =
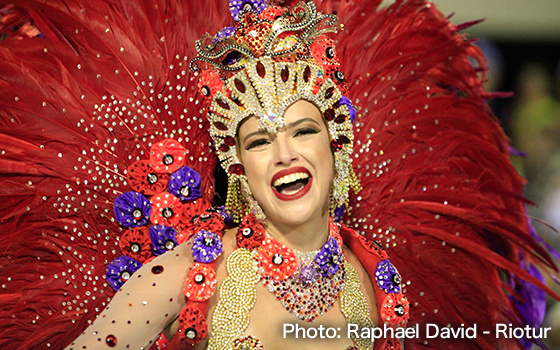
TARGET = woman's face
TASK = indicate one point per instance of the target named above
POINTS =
(290, 172)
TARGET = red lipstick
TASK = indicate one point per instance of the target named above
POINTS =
(300, 193)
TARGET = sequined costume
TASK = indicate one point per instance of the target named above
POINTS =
(96, 94)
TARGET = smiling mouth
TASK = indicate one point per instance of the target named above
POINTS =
(291, 184)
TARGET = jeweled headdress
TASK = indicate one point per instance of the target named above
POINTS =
(270, 59)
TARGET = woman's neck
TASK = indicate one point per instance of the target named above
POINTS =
(304, 237)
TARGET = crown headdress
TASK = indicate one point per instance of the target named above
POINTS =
(270, 59)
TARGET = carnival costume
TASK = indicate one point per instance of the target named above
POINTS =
(113, 119)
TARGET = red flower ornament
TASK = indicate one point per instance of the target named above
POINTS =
(136, 243)
(201, 282)
(276, 260)
(145, 179)
(192, 325)
(395, 310)
(250, 233)
(167, 156)
(192, 209)
(166, 209)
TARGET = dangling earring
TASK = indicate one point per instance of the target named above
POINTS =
(240, 200)
(253, 206)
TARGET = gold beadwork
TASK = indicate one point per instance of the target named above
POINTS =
(355, 306)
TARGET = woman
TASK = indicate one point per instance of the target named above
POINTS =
(436, 189)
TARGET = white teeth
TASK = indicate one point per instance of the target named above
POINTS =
(290, 178)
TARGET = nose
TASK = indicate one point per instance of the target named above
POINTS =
(285, 153)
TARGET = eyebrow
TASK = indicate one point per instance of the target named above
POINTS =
(288, 126)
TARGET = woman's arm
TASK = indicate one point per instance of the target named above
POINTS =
(143, 307)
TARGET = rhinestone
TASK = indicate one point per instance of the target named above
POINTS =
(135, 247)
(111, 341)
(399, 310)
(329, 114)
(205, 90)
(137, 213)
(208, 241)
(169, 244)
(339, 76)
(306, 74)
(239, 85)
(222, 103)
(125, 275)
(277, 259)
(237, 169)
(330, 52)
(220, 126)
(285, 74)
(152, 178)
(167, 213)
(261, 71)
(190, 333)
(247, 232)
(396, 279)
(168, 159)
(199, 278)
(185, 191)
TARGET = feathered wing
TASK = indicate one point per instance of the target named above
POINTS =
(106, 79)
(79, 104)
(440, 193)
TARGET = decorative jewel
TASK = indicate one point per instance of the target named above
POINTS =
(132, 209)
(355, 307)
(276, 261)
(143, 178)
(387, 277)
(163, 239)
(120, 270)
(210, 220)
(192, 209)
(136, 243)
(395, 310)
(247, 343)
(207, 246)
(250, 233)
(201, 282)
(111, 341)
(192, 325)
(167, 156)
(166, 209)
(329, 257)
(185, 184)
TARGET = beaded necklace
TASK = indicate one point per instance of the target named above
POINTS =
(289, 278)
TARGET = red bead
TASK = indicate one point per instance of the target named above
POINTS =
(341, 118)
(336, 145)
(306, 74)
(239, 85)
(237, 169)
(111, 341)
(261, 71)
(230, 141)
(343, 139)
(329, 93)
(220, 126)
(329, 114)
(223, 148)
(222, 103)
(285, 74)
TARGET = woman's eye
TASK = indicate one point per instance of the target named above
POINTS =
(256, 143)
(306, 131)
